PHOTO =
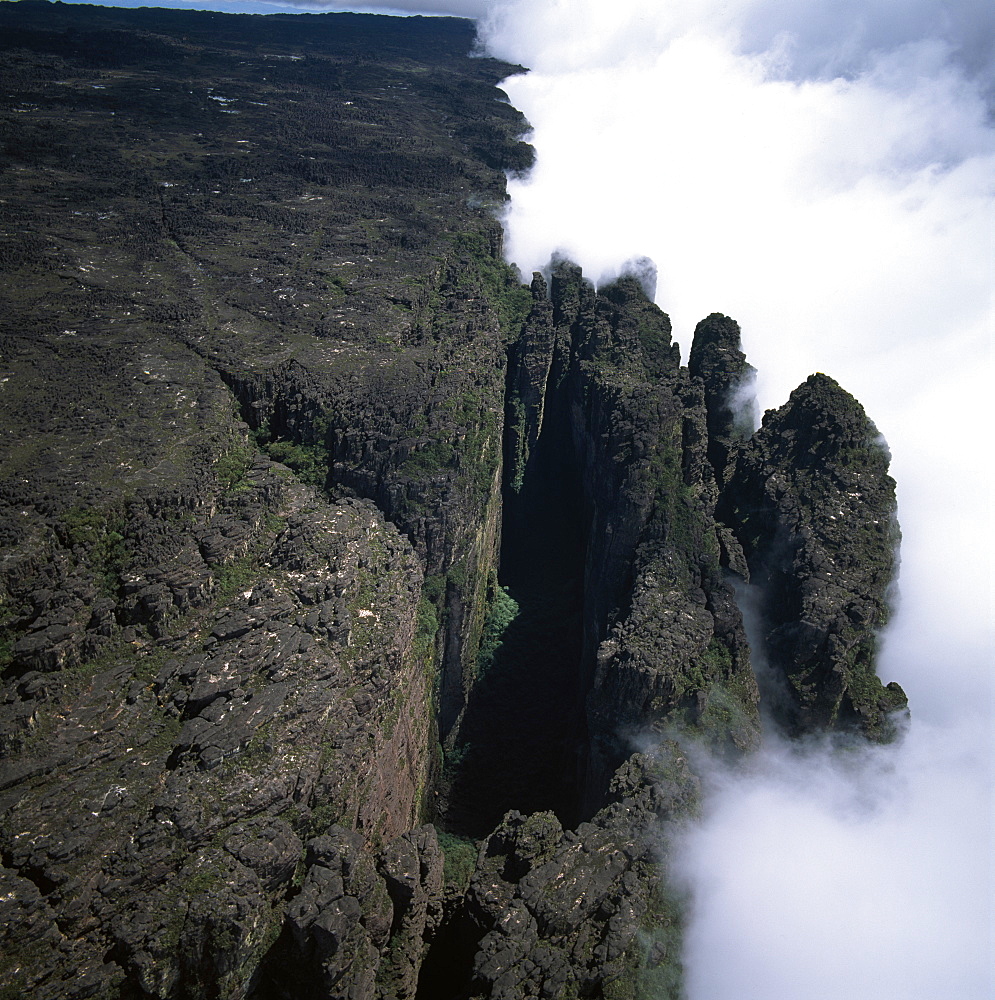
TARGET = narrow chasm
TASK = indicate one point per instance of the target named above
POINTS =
(523, 729)
(522, 735)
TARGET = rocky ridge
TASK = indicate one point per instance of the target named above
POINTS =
(301, 487)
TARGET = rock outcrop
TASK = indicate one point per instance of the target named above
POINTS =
(662, 637)
(717, 359)
(813, 505)
(355, 598)
(571, 913)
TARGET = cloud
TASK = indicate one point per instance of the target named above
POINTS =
(851, 875)
(801, 39)
(816, 39)
(826, 175)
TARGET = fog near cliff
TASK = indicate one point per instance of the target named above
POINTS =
(822, 173)
(822, 875)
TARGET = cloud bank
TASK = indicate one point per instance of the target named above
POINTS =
(857, 875)
(826, 175)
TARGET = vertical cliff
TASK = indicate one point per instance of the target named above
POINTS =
(661, 635)
(666, 495)
(813, 505)
(357, 602)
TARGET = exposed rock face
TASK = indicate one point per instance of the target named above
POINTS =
(567, 913)
(210, 657)
(340, 922)
(717, 359)
(275, 415)
(662, 635)
(814, 507)
(187, 776)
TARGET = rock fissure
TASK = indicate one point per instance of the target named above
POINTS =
(351, 592)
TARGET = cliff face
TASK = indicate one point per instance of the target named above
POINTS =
(661, 636)
(814, 507)
(352, 594)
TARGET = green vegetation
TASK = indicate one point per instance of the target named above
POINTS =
(653, 969)
(101, 533)
(232, 466)
(872, 700)
(434, 588)
(459, 860)
(516, 431)
(430, 459)
(501, 612)
(498, 282)
(323, 815)
(310, 462)
(427, 628)
(236, 576)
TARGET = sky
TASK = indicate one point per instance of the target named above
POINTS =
(823, 172)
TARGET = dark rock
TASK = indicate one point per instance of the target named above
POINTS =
(814, 507)
(412, 868)
(341, 919)
(570, 913)
(718, 360)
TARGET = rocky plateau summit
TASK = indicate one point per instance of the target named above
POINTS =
(359, 603)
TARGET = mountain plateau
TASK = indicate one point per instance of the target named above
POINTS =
(359, 603)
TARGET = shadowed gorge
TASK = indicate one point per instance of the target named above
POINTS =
(357, 601)
(524, 725)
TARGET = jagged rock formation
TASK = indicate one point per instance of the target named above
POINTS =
(717, 359)
(567, 912)
(814, 507)
(662, 636)
(322, 534)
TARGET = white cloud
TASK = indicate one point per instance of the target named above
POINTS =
(854, 876)
(824, 174)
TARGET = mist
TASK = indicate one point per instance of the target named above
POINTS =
(823, 174)
(824, 873)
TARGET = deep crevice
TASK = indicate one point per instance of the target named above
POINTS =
(448, 967)
(45, 885)
(524, 724)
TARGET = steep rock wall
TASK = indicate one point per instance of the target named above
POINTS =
(814, 507)
(597, 374)
(256, 393)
